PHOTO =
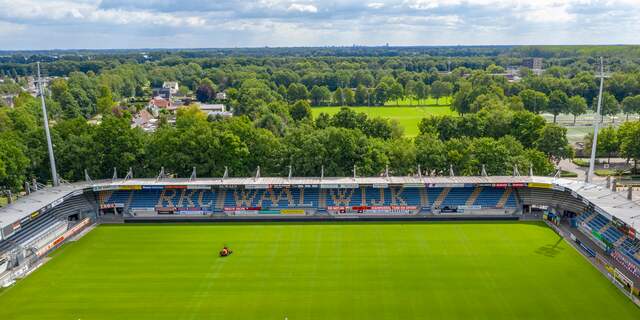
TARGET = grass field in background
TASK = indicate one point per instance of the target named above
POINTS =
(408, 117)
(318, 271)
(445, 101)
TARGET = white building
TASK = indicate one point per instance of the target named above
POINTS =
(172, 86)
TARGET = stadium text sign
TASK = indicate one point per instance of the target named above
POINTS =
(42, 251)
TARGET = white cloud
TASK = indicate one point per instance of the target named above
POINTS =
(303, 8)
(375, 5)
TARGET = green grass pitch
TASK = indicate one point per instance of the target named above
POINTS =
(318, 271)
(408, 117)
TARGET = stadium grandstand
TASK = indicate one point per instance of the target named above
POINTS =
(35, 224)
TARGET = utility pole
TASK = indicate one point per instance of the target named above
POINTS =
(596, 125)
(52, 160)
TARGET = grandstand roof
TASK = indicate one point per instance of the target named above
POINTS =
(607, 202)
(25, 206)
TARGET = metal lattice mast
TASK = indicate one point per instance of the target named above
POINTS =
(596, 125)
(52, 160)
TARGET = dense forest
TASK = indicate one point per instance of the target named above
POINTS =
(94, 95)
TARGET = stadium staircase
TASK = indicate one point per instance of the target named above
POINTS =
(441, 197)
(322, 202)
(222, 194)
(605, 228)
(457, 197)
(129, 200)
(424, 198)
(620, 241)
(474, 196)
(505, 197)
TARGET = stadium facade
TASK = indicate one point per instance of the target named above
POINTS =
(38, 223)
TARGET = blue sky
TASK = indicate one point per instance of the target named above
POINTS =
(49, 24)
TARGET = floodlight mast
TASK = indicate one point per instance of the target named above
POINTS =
(52, 160)
(596, 125)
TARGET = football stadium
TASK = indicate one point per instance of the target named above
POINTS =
(486, 247)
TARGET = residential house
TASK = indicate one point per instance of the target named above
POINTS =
(158, 103)
(172, 86)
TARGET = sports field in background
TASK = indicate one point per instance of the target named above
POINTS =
(408, 117)
(410, 101)
(318, 271)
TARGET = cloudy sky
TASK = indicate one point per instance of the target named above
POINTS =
(47, 24)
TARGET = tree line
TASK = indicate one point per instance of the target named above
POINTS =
(282, 136)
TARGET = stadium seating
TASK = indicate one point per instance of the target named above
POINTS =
(550, 197)
(35, 233)
(486, 197)
(611, 234)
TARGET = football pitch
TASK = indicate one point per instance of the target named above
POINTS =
(318, 271)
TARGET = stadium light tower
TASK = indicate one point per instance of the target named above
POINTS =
(52, 160)
(596, 125)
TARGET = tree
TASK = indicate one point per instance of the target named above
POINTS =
(402, 156)
(297, 91)
(491, 153)
(553, 142)
(285, 77)
(338, 97)
(440, 89)
(577, 106)
(610, 106)
(362, 95)
(608, 143)
(205, 91)
(396, 92)
(410, 90)
(349, 98)
(320, 95)
(378, 128)
(264, 148)
(60, 94)
(301, 110)
(337, 149)
(74, 144)
(105, 100)
(534, 101)
(117, 145)
(421, 91)
(558, 103)
(431, 153)
(525, 126)
(629, 135)
(462, 100)
(323, 120)
(347, 118)
(381, 94)
(631, 105)
(13, 162)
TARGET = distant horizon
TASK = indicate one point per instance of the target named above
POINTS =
(320, 46)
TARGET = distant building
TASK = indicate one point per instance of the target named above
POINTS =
(209, 109)
(221, 96)
(164, 93)
(172, 86)
(532, 63)
(156, 104)
(204, 107)
(145, 120)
